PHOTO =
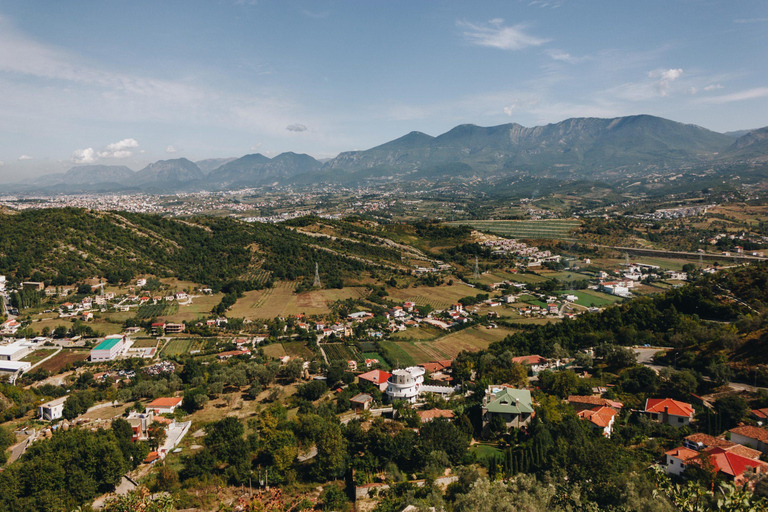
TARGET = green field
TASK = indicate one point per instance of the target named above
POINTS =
(484, 451)
(179, 347)
(536, 229)
(591, 298)
(340, 352)
(148, 311)
(375, 355)
(398, 356)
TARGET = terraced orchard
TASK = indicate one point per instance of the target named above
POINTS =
(556, 229)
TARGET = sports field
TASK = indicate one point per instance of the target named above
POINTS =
(557, 229)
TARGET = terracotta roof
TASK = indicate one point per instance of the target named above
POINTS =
(152, 457)
(533, 359)
(707, 441)
(760, 413)
(682, 453)
(375, 376)
(673, 407)
(600, 416)
(165, 402)
(435, 413)
(752, 432)
(744, 451)
(432, 367)
(733, 464)
(594, 400)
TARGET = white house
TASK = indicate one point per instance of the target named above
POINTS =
(164, 405)
(52, 410)
(753, 437)
(672, 412)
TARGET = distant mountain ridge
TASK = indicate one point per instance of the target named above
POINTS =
(577, 148)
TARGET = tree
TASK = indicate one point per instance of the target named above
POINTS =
(225, 440)
(333, 498)
(139, 500)
(331, 460)
(156, 435)
(731, 409)
(336, 372)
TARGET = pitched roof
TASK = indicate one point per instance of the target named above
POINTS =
(599, 416)
(532, 359)
(658, 405)
(361, 398)
(744, 451)
(682, 453)
(165, 402)
(594, 400)
(760, 413)
(375, 376)
(509, 401)
(435, 413)
(707, 441)
(752, 432)
(733, 464)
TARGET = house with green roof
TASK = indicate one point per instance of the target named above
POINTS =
(514, 406)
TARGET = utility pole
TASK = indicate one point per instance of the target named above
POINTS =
(317, 283)
(477, 269)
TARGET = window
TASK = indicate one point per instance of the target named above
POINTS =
(680, 420)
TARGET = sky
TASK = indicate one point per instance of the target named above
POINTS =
(131, 82)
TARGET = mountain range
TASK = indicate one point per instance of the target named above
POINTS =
(577, 148)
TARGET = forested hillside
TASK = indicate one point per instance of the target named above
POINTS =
(65, 246)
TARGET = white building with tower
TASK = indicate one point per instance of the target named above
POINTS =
(408, 384)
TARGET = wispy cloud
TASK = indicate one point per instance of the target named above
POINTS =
(562, 56)
(170, 149)
(749, 94)
(296, 128)
(712, 87)
(313, 14)
(26, 157)
(495, 34)
(665, 78)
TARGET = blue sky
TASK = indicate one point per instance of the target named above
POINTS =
(129, 82)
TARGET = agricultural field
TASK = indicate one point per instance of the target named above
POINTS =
(274, 350)
(397, 354)
(298, 349)
(589, 298)
(148, 311)
(557, 229)
(281, 300)
(439, 297)
(473, 339)
(62, 359)
(340, 351)
(200, 308)
(37, 355)
(178, 346)
(423, 332)
(144, 343)
(564, 276)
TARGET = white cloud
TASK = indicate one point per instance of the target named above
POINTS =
(2, 163)
(509, 109)
(562, 56)
(121, 149)
(665, 78)
(692, 90)
(296, 127)
(712, 87)
(26, 157)
(84, 156)
(749, 94)
(170, 149)
(495, 35)
(256, 146)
